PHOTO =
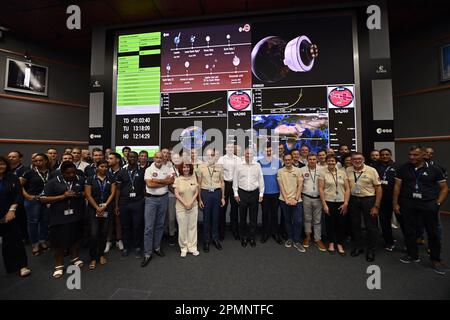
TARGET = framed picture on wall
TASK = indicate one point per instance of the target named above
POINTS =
(26, 77)
(444, 54)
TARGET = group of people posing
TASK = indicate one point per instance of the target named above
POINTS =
(305, 198)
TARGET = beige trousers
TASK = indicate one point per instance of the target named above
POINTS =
(187, 229)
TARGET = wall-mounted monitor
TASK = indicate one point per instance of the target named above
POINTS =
(26, 77)
(445, 62)
(289, 79)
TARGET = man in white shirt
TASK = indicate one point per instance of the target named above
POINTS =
(81, 165)
(248, 187)
(157, 177)
(312, 205)
(229, 162)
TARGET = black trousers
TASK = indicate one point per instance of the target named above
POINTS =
(360, 206)
(234, 211)
(415, 211)
(13, 249)
(248, 205)
(132, 221)
(335, 223)
(386, 212)
(270, 219)
(98, 228)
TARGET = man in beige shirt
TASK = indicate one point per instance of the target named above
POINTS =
(211, 198)
(365, 188)
(290, 181)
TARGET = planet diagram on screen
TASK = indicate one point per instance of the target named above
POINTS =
(239, 100)
(273, 58)
(192, 138)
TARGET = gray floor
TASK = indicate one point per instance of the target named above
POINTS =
(268, 271)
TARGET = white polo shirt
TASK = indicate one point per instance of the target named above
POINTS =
(310, 181)
(155, 173)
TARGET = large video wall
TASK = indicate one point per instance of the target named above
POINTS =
(292, 77)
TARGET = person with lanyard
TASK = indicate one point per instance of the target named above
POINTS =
(186, 192)
(18, 169)
(270, 205)
(366, 193)
(170, 224)
(248, 188)
(296, 159)
(114, 226)
(100, 191)
(97, 155)
(322, 159)
(429, 158)
(419, 191)
(158, 177)
(229, 162)
(304, 151)
(65, 194)
(312, 206)
(129, 205)
(211, 198)
(52, 155)
(143, 160)
(291, 183)
(13, 249)
(334, 190)
(125, 152)
(77, 161)
(387, 170)
(34, 182)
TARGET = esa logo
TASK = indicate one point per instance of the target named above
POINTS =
(95, 136)
(381, 131)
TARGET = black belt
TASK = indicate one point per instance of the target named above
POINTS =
(155, 196)
(307, 195)
(248, 191)
(365, 197)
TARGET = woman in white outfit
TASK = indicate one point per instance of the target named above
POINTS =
(186, 192)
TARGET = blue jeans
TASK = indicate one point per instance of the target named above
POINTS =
(293, 218)
(211, 201)
(37, 216)
(154, 215)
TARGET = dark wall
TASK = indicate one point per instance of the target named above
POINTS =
(68, 81)
(415, 66)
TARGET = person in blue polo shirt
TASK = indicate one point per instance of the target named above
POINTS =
(270, 213)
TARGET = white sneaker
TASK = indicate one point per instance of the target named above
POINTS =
(119, 245)
(108, 247)
(195, 253)
(183, 254)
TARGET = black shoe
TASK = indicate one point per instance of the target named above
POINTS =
(125, 253)
(356, 252)
(146, 261)
(244, 243)
(171, 241)
(277, 239)
(218, 245)
(409, 259)
(236, 236)
(159, 253)
(370, 256)
(206, 247)
(264, 238)
(252, 243)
